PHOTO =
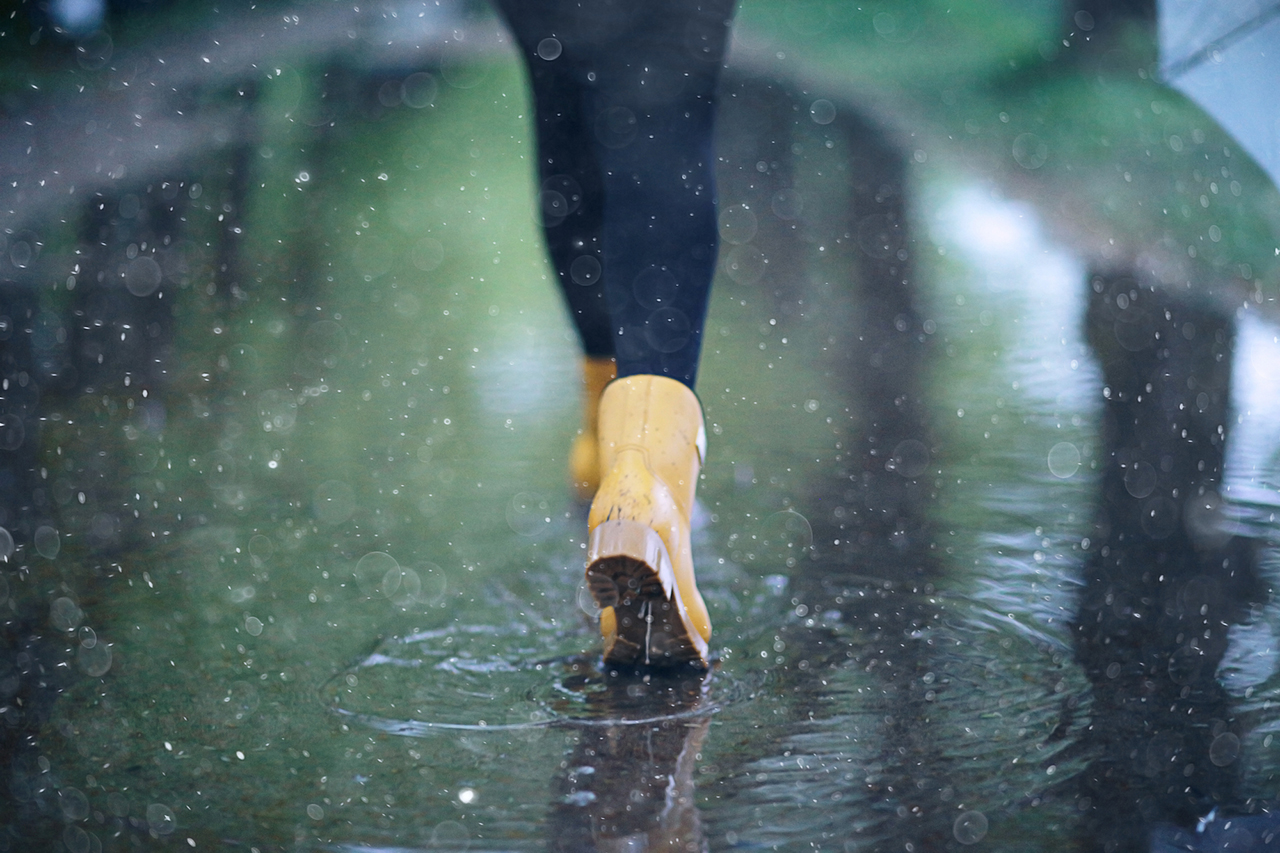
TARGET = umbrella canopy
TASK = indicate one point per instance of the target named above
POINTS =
(1225, 55)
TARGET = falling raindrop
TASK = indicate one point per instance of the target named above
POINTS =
(95, 661)
(1064, 460)
(585, 270)
(822, 111)
(419, 90)
(142, 276)
(253, 626)
(1225, 749)
(65, 615)
(261, 548)
(161, 819)
(668, 330)
(6, 551)
(527, 513)
(738, 224)
(427, 254)
(549, 49)
(1140, 479)
(910, 458)
(1030, 151)
(74, 803)
(372, 571)
(12, 432)
(47, 542)
(970, 827)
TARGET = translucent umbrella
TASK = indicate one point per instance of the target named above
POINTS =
(1225, 55)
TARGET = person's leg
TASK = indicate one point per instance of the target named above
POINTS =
(570, 202)
(652, 114)
(654, 111)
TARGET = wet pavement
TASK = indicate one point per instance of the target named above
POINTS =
(985, 529)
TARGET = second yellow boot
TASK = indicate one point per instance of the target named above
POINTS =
(639, 553)
(584, 454)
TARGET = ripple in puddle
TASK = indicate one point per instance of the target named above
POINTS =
(484, 678)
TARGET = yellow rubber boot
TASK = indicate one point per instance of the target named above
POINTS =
(639, 554)
(584, 455)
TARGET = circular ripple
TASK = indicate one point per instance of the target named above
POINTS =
(486, 678)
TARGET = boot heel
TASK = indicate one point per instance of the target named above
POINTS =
(629, 570)
(626, 561)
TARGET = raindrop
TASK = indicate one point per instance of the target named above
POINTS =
(277, 410)
(74, 803)
(668, 330)
(261, 548)
(787, 204)
(419, 90)
(1064, 460)
(822, 111)
(161, 819)
(334, 502)
(554, 207)
(549, 49)
(1224, 749)
(1140, 480)
(655, 287)
(20, 254)
(970, 827)
(65, 615)
(783, 538)
(451, 835)
(910, 458)
(12, 432)
(88, 637)
(746, 265)
(315, 812)
(6, 551)
(142, 276)
(432, 583)
(527, 513)
(389, 93)
(427, 254)
(585, 270)
(586, 601)
(738, 224)
(372, 571)
(253, 625)
(616, 127)
(95, 661)
(76, 839)
(1030, 151)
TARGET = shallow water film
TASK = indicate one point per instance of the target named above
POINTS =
(986, 529)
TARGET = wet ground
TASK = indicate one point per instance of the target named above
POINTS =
(302, 569)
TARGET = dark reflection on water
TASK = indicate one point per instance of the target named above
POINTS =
(1168, 575)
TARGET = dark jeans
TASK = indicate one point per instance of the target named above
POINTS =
(624, 102)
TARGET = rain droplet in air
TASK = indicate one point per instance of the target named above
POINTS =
(970, 827)
(549, 49)
(372, 572)
(822, 111)
(1064, 460)
(65, 615)
(94, 661)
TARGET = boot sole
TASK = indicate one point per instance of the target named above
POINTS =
(629, 570)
